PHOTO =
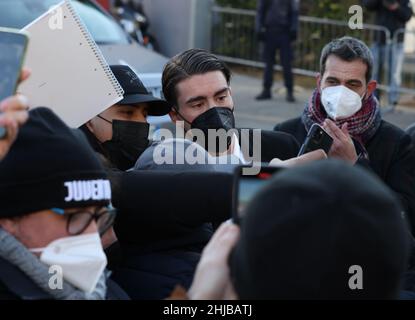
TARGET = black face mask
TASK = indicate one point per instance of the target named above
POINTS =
(129, 140)
(215, 118)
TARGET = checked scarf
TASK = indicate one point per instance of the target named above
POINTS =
(362, 125)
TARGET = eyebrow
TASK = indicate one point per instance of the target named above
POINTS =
(354, 81)
(198, 98)
(351, 81)
(332, 79)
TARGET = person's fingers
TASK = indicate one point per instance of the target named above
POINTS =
(314, 155)
(223, 240)
(335, 131)
(229, 238)
(305, 158)
(11, 127)
(17, 118)
(24, 75)
(12, 130)
(329, 131)
(345, 128)
(20, 117)
(276, 162)
(212, 273)
(17, 102)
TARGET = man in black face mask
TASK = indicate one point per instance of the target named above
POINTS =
(120, 133)
(197, 84)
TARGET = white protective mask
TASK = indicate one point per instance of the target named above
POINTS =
(340, 102)
(81, 258)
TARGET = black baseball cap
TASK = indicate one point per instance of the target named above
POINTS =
(135, 92)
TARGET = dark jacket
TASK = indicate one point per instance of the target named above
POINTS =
(278, 15)
(16, 285)
(392, 20)
(164, 221)
(161, 205)
(392, 158)
(273, 145)
(166, 218)
(153, 271)
(162, 249)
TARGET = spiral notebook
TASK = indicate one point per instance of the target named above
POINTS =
(69, 73)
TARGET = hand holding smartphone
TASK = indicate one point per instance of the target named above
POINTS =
(13, 44)
(317, 138)
(247, 186)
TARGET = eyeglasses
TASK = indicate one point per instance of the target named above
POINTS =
(78, 221)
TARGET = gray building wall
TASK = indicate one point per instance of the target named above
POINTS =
(179, 25)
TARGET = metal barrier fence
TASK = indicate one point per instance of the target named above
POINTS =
(234, 40)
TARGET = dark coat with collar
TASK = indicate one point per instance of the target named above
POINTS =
(279, 145)
(391, 157)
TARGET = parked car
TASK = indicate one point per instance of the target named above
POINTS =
(116, 45)
(135, 22)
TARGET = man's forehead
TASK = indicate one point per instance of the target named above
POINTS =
(345, 70)
(202, 84)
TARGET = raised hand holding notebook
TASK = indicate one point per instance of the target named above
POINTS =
(69, 73)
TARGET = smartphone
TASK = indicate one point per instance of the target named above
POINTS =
(317, 138)
(13, 45)
(247, 186)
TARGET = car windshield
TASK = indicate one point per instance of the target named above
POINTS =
(104, 30)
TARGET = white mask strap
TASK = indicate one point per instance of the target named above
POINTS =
(37, 250)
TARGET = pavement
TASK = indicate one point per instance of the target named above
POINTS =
(265, 114)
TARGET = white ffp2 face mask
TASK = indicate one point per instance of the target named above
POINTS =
(340, 102)
(81, 258)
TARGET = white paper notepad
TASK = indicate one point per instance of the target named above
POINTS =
(69, 73)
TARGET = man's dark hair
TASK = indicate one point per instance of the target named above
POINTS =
(187, 64)
(348, 49)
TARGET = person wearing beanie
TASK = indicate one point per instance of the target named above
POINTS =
(55, 196)
(121, 132)
(311, 233)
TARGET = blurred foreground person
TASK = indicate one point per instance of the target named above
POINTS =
(329, 238)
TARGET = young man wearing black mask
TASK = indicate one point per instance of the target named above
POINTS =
(120, 133)
(147, 256)
(197, 85)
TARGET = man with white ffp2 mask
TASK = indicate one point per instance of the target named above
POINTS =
(344, 104)
(340, 102)
(50, 244)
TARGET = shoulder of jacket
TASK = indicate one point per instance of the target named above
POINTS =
(289, 124)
